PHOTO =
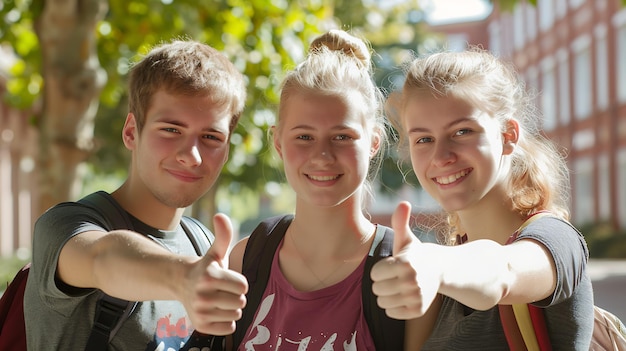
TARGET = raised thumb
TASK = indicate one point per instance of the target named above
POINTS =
(223, 230)
(403, 236)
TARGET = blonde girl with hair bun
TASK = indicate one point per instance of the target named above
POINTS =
(330, 136)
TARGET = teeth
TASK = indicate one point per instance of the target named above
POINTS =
(451, 178)
(323, 178)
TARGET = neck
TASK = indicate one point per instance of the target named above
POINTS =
(334, 230)
(145, 207)
(497, 223)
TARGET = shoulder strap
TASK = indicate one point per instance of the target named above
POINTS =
(257, 264)
(110, 312)
(524, 325)
(388, 333)
(200, 238)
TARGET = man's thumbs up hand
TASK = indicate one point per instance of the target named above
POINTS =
(405, 283)
(215, 295)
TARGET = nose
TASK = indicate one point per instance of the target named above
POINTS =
(443, 154)
(322, 155)
(189, 155)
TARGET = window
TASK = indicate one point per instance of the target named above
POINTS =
(548, 94)
(518, 28)
(532, 83)
(602, 70)
(531, 21)
(621, 62)
(621, 187)
(583, 87)
(604, 195)
(574, 3)
(564, 87)
(560, 8)
(546, 14)
(583, 190)
(494, 38)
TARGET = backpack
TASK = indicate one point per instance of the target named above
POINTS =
(388, 333)
(111, 312)
(525, 326)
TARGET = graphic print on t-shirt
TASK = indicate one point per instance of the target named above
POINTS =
(170, 334)
(260, 336)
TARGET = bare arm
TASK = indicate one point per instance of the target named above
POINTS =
(129, 266)
(479, 274)
(124, 264)
(484, 273)
(418, 330)
(236, 255)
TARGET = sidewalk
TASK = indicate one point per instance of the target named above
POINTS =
(609, 285)
(602, 269)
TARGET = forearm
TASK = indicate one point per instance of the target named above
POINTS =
(477, 274)
(483, 273)
(125, 265)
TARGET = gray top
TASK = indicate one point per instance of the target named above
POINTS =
(60, 317)
(568, 311)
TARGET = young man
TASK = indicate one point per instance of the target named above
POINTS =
(185, 99)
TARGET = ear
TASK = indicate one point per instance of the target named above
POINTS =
(130, 132)
(376, 143)
(277, 144)
(510, 136)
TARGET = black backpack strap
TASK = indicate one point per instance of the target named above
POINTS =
(388, 333)
(257, 264)
(110, 312)
(200, 238)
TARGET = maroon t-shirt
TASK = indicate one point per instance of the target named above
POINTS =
(327, 319)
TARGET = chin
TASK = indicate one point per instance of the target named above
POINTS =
(178, 200)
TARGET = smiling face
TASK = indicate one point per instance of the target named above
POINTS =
(326, 147)
(457, 151)
(181, 149)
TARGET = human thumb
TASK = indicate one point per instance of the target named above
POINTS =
(403, 236)
(223, 229)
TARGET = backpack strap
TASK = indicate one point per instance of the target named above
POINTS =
(200, 239)
(110, 312)
(257, 264)
(524, 325)
(388, 333)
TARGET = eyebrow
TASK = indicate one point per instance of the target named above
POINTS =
(308, 127)
(451, 124)
(185, 125)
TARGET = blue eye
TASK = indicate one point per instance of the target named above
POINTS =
(423, 140)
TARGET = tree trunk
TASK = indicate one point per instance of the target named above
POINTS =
(73, 80)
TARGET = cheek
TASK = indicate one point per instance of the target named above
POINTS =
(155, 146)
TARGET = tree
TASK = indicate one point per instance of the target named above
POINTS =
(73, 58)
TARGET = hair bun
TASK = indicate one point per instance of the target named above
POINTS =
(339, 40)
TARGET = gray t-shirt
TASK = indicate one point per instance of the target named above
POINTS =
(60, 317)
(568, 311)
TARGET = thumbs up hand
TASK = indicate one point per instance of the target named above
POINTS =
(406, 283)
(214, 295)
